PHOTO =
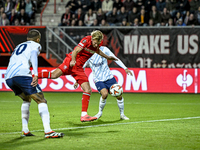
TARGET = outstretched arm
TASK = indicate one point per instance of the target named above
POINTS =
(129, 72)
(120, 63)
(106, 56)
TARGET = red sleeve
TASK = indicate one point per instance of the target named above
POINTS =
(84, 42)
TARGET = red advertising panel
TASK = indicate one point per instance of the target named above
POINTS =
(11, 36)
(143, 80)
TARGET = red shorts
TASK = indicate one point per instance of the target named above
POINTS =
(76, 71)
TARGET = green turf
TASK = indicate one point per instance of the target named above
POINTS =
(157, 122)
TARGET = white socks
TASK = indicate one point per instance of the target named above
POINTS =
(44, 113)
(25, 116)
(83, 113)
(102, 104)
(121, 106)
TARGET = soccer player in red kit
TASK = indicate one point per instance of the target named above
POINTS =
(73, 65)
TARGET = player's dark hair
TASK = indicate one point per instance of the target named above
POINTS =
(33, 34)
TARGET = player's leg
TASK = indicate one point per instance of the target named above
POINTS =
(51, 75)
(25, 114)
(43, 110)
(24, 83)
(85, 102)
(25, 105)
(103, 98)
(104, 94)
(44, 114)
(85, 97)
(120, 103)
(82, 79)
(62, 69)
(120, 99)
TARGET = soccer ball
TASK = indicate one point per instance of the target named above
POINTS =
(116, 90)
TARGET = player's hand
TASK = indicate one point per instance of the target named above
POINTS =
(112, 58)
(75, 85)
(34, 81)
(129, 72)
(72, 63)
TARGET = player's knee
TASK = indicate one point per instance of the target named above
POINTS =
(42, 101)
(24, 97)
(88, 90)
(86, 87)
(38, 98)
(38, 101)
(27, 99)
(104, 95)
(119, 97)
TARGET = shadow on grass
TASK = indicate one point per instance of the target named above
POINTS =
(98, 122)
(72, 128)
(81, 132)
(20, 141)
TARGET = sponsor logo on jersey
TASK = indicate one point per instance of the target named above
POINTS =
(89, 50)
(98, 64)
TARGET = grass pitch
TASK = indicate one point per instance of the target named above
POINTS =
(157, 122)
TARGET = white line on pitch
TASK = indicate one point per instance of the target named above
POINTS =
(135, 103)
(113, 124)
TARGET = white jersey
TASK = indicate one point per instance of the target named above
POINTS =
(24, 55)
(99, 65)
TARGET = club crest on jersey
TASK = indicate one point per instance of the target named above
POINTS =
(84, 41)
(64, 67)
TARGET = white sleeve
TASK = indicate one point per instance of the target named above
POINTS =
(118, 61)
(34, 62)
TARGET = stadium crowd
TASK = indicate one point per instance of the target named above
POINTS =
(131, 13)
(107, 12)
(18, 12)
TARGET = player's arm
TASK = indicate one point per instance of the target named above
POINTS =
(74, 54)
(106, 56)
(34, 62)
(120, 63)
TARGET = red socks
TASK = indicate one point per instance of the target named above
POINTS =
(44, 74)
(85, 101)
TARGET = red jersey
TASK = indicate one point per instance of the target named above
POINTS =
(87, 50)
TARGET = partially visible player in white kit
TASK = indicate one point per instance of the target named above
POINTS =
(20, 80)
(104, 79)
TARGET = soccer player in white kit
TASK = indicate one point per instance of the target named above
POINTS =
(104, 79)
(20, 80)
